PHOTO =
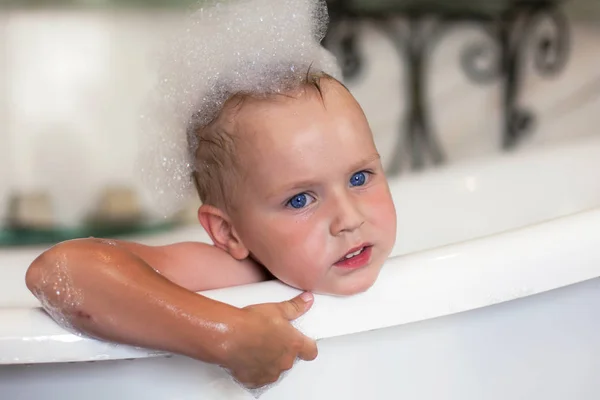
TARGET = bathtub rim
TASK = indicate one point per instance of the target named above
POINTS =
(31, 337)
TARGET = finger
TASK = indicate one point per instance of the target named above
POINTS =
(256, 379)
(297, 306)
(309, 350)
(288, 362)
(259, 382)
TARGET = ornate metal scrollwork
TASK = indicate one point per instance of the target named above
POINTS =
(342, 38)
(414, 43)
(511, 33)
(510, 36)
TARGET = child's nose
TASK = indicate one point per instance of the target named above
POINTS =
(347, 215)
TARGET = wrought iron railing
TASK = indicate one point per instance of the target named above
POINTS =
(511, 26)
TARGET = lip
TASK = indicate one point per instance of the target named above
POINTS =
(358, 261)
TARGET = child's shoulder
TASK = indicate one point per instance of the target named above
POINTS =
(197, 266)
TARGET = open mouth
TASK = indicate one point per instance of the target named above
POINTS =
(356, 257)
(354, 254)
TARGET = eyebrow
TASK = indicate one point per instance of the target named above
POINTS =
(364, 162)
(309, 183)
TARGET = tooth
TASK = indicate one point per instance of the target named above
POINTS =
(354, 254)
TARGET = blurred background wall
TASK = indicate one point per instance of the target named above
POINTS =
(73, 76)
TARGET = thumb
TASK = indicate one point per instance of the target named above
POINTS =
(297, 306)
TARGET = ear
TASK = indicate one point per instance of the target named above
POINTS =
(218, 226)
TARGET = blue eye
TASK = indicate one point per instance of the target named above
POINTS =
(299, 201)
(358, 179)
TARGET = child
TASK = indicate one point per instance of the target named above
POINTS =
(291, 185)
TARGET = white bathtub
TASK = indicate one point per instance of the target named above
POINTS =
(493, 293)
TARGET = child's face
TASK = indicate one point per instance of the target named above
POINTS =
(313, 191)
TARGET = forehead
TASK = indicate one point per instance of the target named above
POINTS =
(296, 137)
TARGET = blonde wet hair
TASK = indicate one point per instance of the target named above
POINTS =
(216, 167)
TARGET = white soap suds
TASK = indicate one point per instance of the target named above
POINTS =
(65, 297)
(223, 48)
(258, 392)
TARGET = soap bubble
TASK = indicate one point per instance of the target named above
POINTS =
(63, 298)
(223, 48)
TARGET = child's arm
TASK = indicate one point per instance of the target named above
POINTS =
(114, 292)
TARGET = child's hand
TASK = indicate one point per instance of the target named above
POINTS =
(265, 344)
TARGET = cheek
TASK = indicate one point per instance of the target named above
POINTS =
(293, 249)
(382, 211)
(302, 234)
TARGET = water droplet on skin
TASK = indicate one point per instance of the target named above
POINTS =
(56, 282)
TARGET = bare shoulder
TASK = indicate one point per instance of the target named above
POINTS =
(197, 266)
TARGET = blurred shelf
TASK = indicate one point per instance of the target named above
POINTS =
(16, 237)
(490, 7)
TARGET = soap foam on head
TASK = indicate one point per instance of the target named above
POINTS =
(224, 48)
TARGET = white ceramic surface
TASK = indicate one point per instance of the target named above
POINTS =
(502, 304)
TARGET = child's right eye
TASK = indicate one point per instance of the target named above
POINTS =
(300, 201)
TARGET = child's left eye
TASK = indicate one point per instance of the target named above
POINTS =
(359, 178)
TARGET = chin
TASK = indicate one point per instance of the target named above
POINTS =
(364, 284)
(350, 288)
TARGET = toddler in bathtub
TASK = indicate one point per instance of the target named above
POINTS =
(291, 186)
